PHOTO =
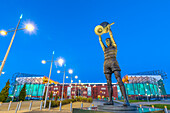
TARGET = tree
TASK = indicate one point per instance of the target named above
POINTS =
(44, 94)
(56, 97)
(51, 95)
(4, 93)
(22, 94)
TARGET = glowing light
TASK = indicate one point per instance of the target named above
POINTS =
(21, 16)
(3, 32)
(30, 27)
(71, 81)
(60, 61)
(3, 72)
(76, 77)
(66, 76)
(58, 71)
(43, 62)
(70, 71)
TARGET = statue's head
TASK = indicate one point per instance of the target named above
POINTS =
(108, 42)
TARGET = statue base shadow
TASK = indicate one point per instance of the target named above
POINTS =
(107, 109)
(117, 108)
(114, 109)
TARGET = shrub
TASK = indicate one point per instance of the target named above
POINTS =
(51, 96)
(4, 92)
(56, 97)
(57, 103)
(44, 94)
(84, 99)
(79, 98)
(22, 94)
(89, 100)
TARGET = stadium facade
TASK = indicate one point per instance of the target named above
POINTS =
(139, 85)
(35, 84)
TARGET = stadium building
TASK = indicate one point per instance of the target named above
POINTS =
(35, 84)
(138, 86)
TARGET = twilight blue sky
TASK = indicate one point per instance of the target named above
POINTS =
(141, 31)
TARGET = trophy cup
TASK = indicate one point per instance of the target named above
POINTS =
(102, 28)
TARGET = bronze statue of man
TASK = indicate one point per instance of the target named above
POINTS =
(111, 64)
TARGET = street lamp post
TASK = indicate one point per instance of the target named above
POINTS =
(71, 86)
(70, 72)
(63, 82)
(6, 55)
(147, 95)
(78, 88)
(2, 32)
(76, 77)
(48, 81)
(60, 61)
(138, 97)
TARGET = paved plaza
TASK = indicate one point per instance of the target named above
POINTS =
(36, 107)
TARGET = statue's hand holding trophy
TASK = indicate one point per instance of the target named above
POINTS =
(102, 28)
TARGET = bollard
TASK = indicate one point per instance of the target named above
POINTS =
(142, 109)
(20, 105)
(60, 105)
(17, 107)
(92, 105)
(0, 103)
(140, 106)
(70, 106)
(30, 105)
(165, 110)
(41, 104)
(81, 105)
(153, 106)
(49, 105)
(9, 105)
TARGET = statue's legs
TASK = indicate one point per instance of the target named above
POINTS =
(122, 87)
(110, 89)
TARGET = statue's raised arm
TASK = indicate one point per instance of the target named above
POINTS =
(111, 37)
(101, 43)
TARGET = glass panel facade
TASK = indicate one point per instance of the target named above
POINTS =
(31, 89)
(139, 88)
(142, 89)
(119, 92)
(130, 89)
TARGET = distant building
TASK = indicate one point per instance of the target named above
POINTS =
(139, 85)
(94, 90)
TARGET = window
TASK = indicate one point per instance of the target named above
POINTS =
(56, 88)
(103, 88)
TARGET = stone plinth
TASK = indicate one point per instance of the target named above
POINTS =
(118, 108)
